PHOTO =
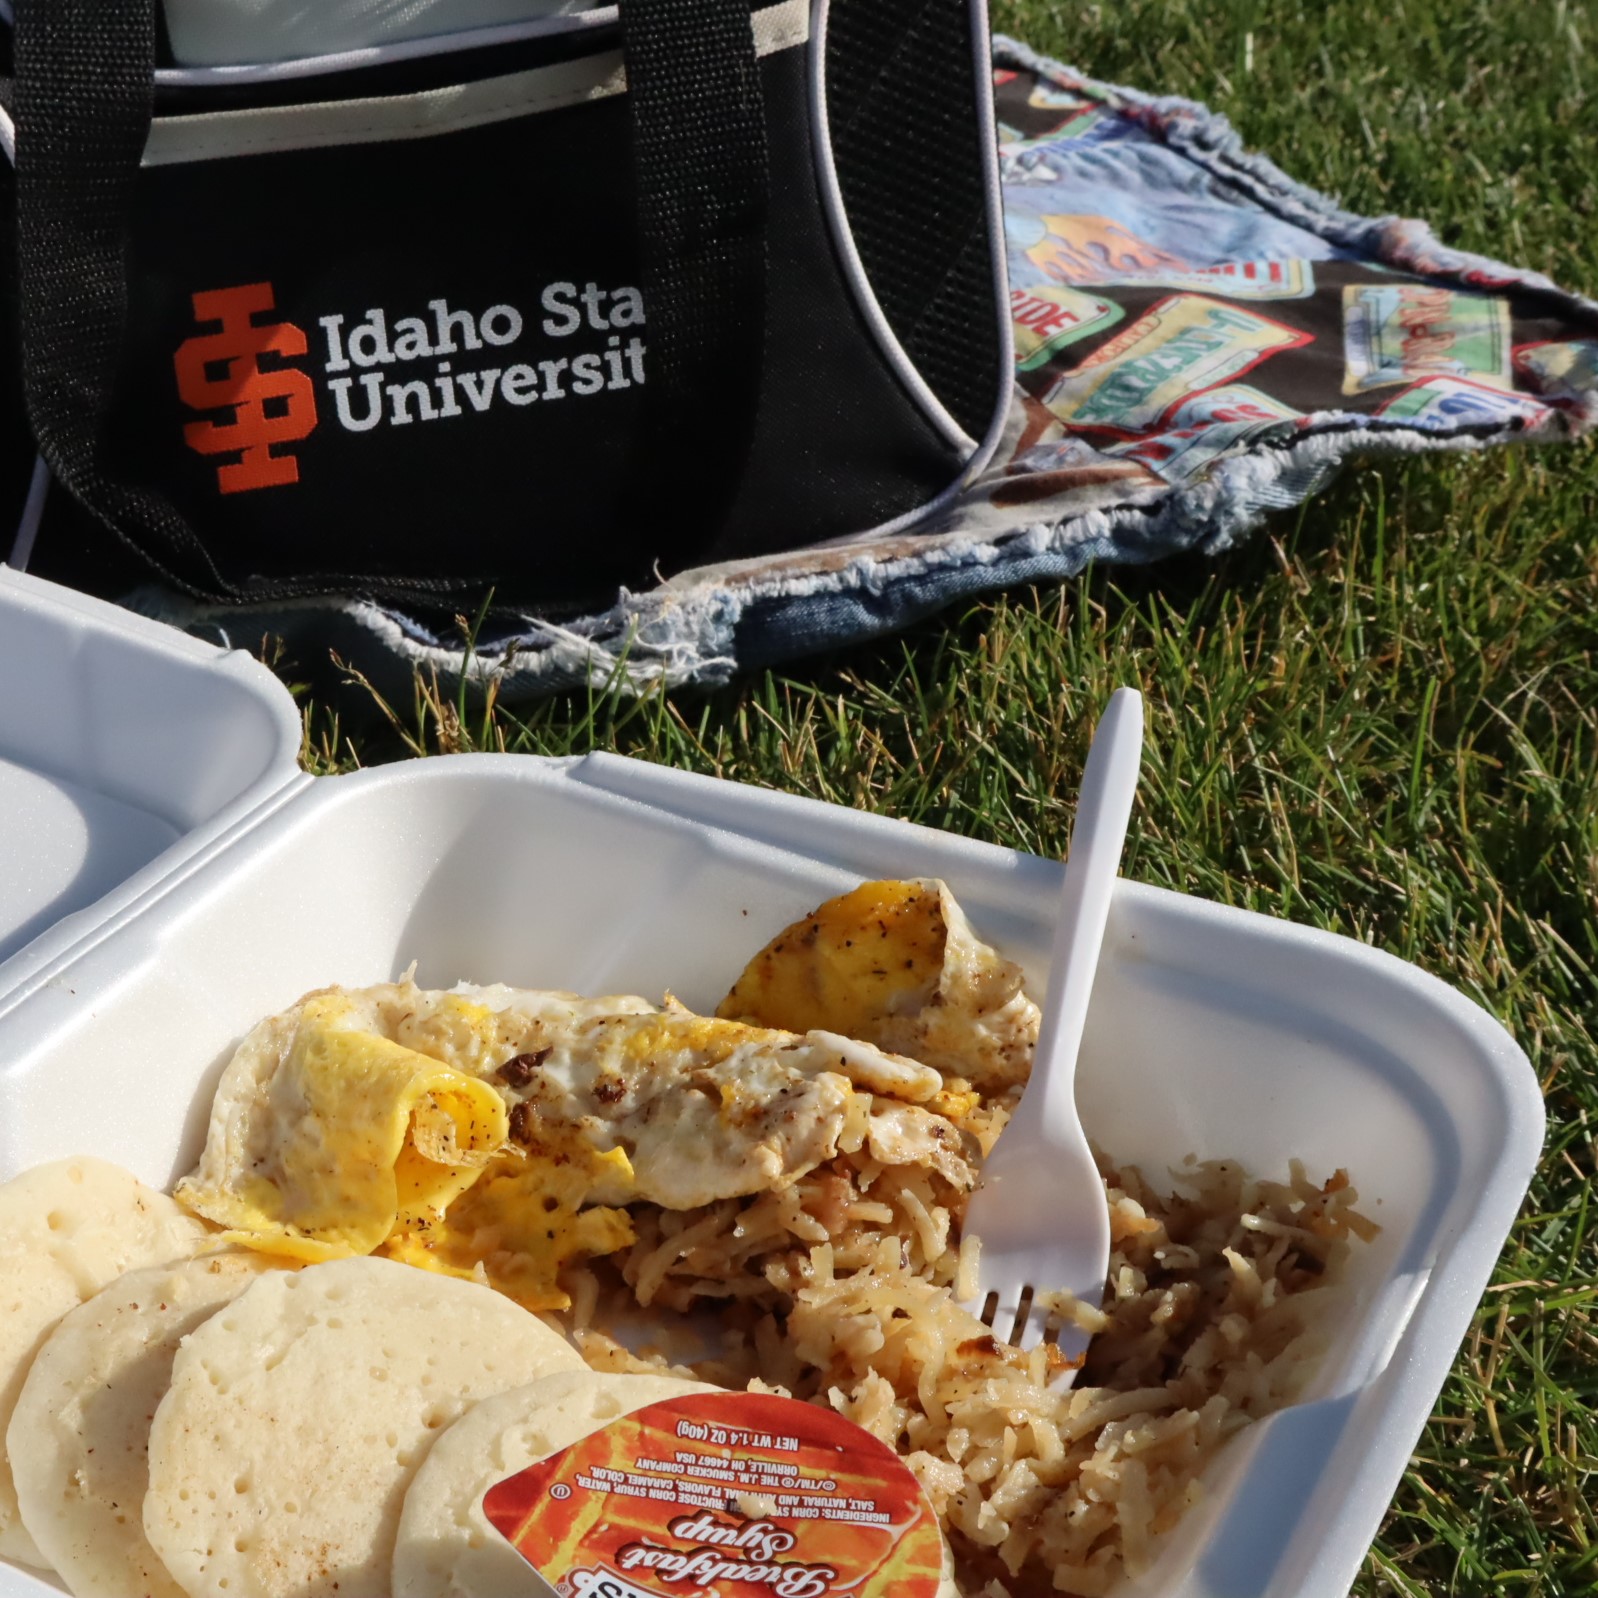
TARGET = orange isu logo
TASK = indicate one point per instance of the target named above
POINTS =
(221, 370)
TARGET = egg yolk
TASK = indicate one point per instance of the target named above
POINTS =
(521, 1223)
(858, 959)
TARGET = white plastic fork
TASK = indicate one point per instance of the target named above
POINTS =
(1040, 1211)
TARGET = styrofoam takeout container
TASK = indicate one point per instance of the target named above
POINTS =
(1213, 1031)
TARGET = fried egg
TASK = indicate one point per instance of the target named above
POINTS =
(325, 1135)
(500, 1133)
(896, 964)
(706, 1109)
(521, 1224)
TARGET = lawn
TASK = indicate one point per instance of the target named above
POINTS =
(1380, 717)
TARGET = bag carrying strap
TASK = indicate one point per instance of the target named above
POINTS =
(84, 95)
(702, 170)
(84, 91)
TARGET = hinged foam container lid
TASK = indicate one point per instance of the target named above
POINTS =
(126, 748)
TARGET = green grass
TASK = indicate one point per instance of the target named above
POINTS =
(1381, 717)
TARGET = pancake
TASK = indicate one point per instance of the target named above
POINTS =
(80, 1433)
(297, 1416)
(67, 1230)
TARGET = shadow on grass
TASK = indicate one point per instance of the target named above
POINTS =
(352, 723)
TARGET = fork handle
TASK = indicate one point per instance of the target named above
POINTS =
(1098, 834)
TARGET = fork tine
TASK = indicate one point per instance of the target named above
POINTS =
(1023, 1315)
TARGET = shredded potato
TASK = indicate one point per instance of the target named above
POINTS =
(845, 1290)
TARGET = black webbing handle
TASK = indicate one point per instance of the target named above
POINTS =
(703, 198)
(83, 94)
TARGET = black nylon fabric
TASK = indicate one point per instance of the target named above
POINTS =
(910, 167)
(83, 94)
(836, 427)
(702, 171)
(16, 444)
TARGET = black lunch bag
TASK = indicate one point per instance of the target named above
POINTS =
(557, 308)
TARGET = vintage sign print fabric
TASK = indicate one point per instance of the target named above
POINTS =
(1198, 340)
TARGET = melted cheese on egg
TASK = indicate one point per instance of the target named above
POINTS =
(705, 1109)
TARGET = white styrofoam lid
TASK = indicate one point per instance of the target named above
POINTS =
(122, 743)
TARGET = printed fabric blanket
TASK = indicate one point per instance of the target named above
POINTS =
(1199, 341)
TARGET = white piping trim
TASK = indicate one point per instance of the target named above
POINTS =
(853, 269)
(377, 55)
(8, 137)
(32, 515)
(220, 135)
(993, 190)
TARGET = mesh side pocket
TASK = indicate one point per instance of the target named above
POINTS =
(904, 117)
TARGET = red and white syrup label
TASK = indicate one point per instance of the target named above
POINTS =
(725, 1493)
